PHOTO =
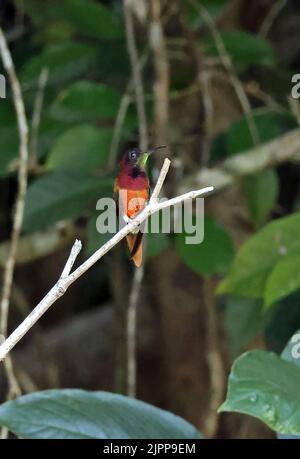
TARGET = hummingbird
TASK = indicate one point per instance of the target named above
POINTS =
(131, 189)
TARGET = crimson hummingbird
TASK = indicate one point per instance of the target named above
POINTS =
(131, 190)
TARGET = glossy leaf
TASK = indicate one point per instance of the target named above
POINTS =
(244, 318)
(78, 414)
(283, 280)
(265, 386)
(86, 99)
(61, 195)
(82, 148)
(291, 353)
(213, 255)
(261, 192)
(239, 137)
(86, 17)
(64, 62)
(244, 48)
(256, 259)
(156, 243)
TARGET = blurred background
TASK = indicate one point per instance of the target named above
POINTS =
(216, 84)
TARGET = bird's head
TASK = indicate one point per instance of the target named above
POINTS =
(137, 158)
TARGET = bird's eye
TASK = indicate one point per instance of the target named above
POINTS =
(133, 155)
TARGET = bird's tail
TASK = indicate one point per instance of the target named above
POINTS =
(135, 246)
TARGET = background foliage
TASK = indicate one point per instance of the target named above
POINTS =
(237, 291)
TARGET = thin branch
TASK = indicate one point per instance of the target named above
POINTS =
(214, 359)
(63, 284)
(8, 64)
(271, 17)
(162, 82)
(136, 74)
(131, 330)
(143, 143)
(121, 116)
(226, 61)
(22, 179)
(36, 115)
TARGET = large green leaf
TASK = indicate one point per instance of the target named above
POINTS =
(64, 62)
(156, 243)
(258, 256)
(291, 353)
(61, 195)
(82, 148)
(239, 137)
(85, 99)
(244, 48)
(94, 238)
(244, 318)
(85, 17)
(213, 255)
(283, 280)
(261, 192)
(73, 413)
(265, 386)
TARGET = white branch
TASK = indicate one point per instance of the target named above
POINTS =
(64, 283)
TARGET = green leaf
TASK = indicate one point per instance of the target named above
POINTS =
(82, 148)
(65, 61)
(258, 256)
(89, 18)
(94, 238)
(75, 414)
(213, 255)
(291, 353)
(239, 137)
(283, 280)
(265, 386)
(194, 17)
(156, 243)
(61, 195)
(244, 48)
(261, 192)
(278, 331)
(85, 17)
(85, 99)
(243, 320)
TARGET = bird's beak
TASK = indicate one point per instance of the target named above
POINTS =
(145, 155)
(157, 148)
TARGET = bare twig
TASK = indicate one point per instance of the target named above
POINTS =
(36, 115)
(121, 116)
(136, 74)
(226, 61)
(270, 18)
(162, 82)
(131, 321)
(63, 284)
(19, 208)
(214, 359)
(143, 143)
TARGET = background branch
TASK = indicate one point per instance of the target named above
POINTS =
(8, 64)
